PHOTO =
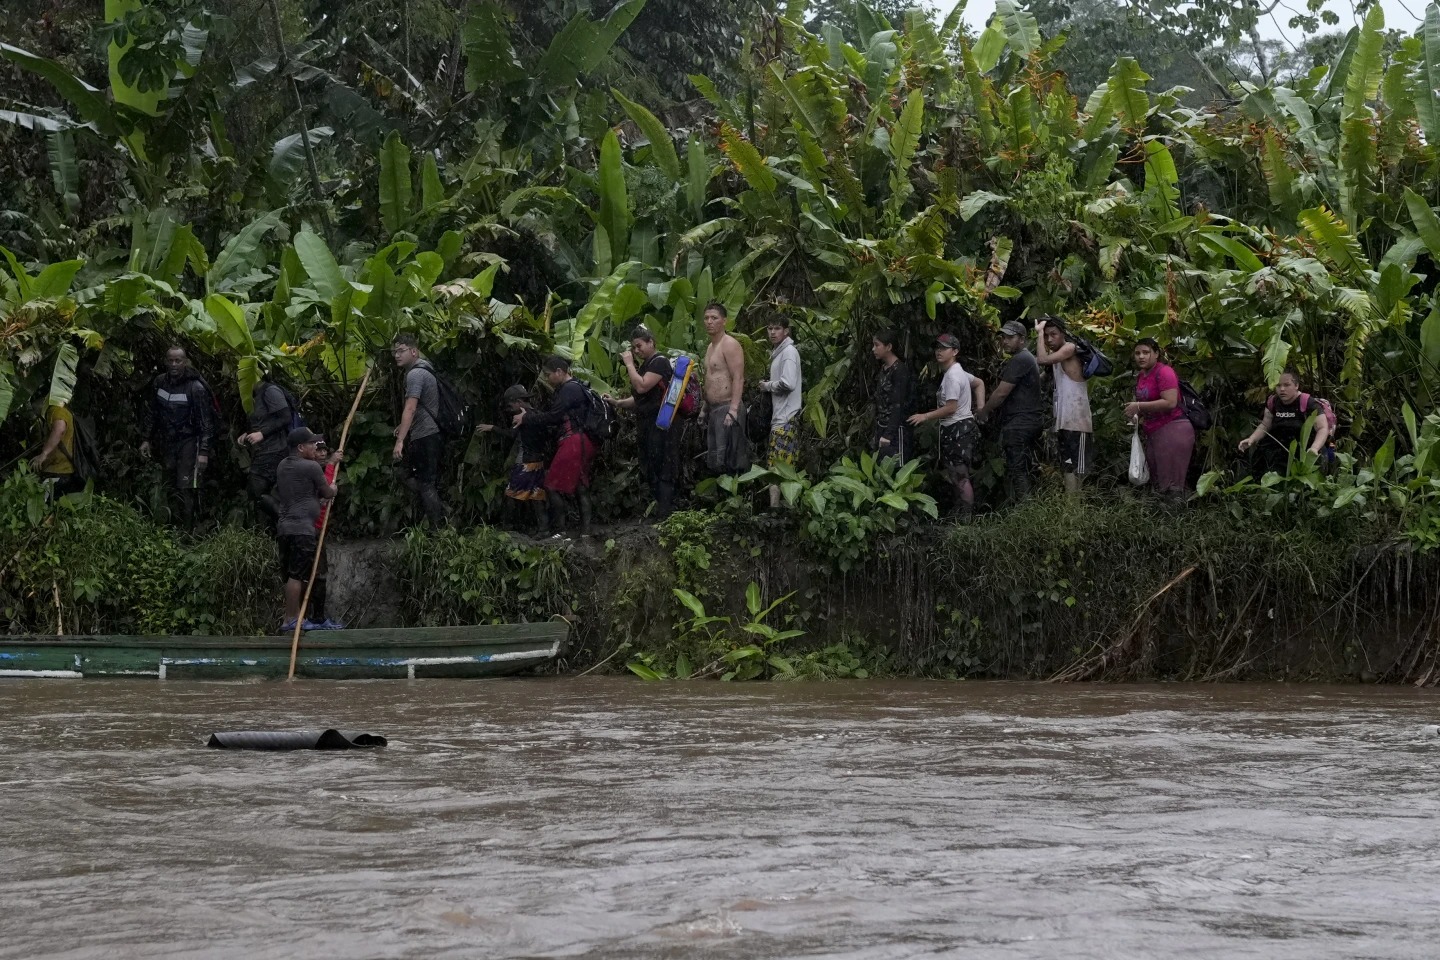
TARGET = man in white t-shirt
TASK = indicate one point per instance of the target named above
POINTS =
(960, 394)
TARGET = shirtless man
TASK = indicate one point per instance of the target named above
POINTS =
(727, 447)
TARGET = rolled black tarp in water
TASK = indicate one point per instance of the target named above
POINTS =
(293, 740)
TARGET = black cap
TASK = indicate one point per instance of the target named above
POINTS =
(1013, 328)
(303, 435)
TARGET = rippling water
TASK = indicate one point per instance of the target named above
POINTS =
(606, 818)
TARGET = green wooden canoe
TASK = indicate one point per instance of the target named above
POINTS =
(489, 651)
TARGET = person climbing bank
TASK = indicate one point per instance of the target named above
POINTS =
(1282, 427)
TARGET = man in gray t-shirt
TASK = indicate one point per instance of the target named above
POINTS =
(420, 386)
(418, 443)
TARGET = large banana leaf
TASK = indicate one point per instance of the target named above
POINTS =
(1021, 30)
(64, 171)
(54, 281)
(613, 216)
(63, 377)
(287, 156)
(582, 44)
(320, 265)
(1279, 178)
(1363, 80)
(239, 256)
(230, 323)
(1427, 224)
(662, 148)
(397, 194)
(979, 93)
(600, 305)
(1427, 76)
(490, 59)
(904, 141)
(247, 373)
(990, 47)
(1126, 88)
(432, 188)
(1162, 180)
(1357, 165)
(88, 102)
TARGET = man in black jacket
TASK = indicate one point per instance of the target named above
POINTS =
(178, 420)
(272, 416)
(894, 400)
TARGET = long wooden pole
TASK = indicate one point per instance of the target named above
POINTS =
(324, 526)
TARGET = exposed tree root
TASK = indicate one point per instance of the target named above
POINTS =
(1133, 646)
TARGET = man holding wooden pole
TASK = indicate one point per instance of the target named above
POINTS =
(300, 487)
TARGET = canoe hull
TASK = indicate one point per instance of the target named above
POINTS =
(457, 652)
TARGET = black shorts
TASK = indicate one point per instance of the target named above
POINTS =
(1073, 447)
(297, 556)
(959, 444)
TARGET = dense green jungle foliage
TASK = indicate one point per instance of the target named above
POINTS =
(281, 189)
(284, 185)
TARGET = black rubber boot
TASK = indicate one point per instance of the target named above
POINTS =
(584, 512)
(664, 500)
(559, 512)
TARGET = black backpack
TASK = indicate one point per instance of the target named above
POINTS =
(297, 419)
(600, 424)
(1195, 410)
(1093, 363)
(454, 413)
(85, 460)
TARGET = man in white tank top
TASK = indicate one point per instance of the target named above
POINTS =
(1074, 428)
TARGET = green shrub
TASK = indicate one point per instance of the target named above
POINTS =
(481, 576)
(91, 565)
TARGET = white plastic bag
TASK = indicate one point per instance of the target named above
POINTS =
(1139, 469)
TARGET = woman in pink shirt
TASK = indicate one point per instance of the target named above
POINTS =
(1169, 435)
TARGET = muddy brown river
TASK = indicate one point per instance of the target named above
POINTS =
(609, 818)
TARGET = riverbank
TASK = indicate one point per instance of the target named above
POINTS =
(1111, 587)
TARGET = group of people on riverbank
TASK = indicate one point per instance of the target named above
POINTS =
(291, 472)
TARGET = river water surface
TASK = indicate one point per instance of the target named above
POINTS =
(607, 818)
